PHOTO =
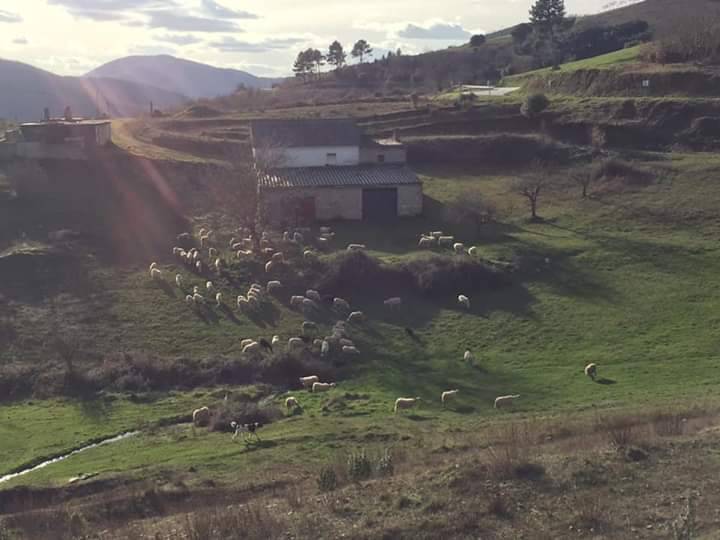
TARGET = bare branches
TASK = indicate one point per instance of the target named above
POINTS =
(532, 186)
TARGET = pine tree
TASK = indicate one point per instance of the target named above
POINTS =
(336, 55)
(361, 50)
(547, 14)
(303, 64)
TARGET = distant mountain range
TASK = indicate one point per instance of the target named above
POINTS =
(124, 87)
(189, 78)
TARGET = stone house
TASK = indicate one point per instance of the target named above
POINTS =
(321, 170)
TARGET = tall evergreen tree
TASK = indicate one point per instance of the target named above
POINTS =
(361, 50)
(547, 14)
(303, 64)
(336, 55)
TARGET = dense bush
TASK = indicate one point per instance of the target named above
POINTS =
(243, 413)
(438, 275)
(327, 479)
(534, 104)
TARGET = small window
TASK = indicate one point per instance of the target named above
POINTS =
(381, 158)
(331, 159)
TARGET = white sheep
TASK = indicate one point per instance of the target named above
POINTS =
(308, 381)
(436, 234)
(153, 266)
(468, 357)
(253, 347)
(349, 349)
(269, 266)
(339, 303)
(322, 387)
(273, 286)
(405, 403)
(242, 301)
(309, 328)
(324, 347)
(278, 257)
(291, 403)
(275, 340)
(393, 302)
(202, 231)
(296, 300)
(218, 265)
(199, 267)
(218, 300)
(459, 247)
(356, 317)
(204, 240)
(464, 301)
(308, 254)
(446, 240)
(323, 242)
(237, 246)
(179, 281)
(210, 287)
(298, 238)
(473, 251)
(313, 295)
(243, 253)
(189, 299)
(245, 342)
(198, 298)
(212, 253)
(356, 247)
(591, 371)
(156, 273)
(201, 417)
(178, 251)
(232, 242)
(426, 242)
(268, 251)
(502, 401)
(196, 289)
(448, 395)
(286, 236)
(295, 342)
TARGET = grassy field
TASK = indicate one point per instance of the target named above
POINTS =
(625, 279)
(605, 61)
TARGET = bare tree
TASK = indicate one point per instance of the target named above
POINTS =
(532, 186)
(583, 179)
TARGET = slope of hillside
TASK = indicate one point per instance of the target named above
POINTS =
(192, 79)
(25, 91)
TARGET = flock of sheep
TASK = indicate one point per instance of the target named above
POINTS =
(309, 302)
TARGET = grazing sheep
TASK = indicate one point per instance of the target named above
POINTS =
(198, 298)
(313, 295)
(322, 387)
(405, 403)
(268, 251)
(156, 273)
(308, 254)
(446, 240)
(468, 357)
(436, 234)
(218, 265)
(273, 286)
(323, 242)
(178, 251)
(202, 232)
(426, 242)
(448, 395)
(291, 403)
(242, 301)
(591, 371)
(232, 242)
(296, 300)
(237, 245)
(218, 300)
(349, 349)
(503, 401)
(356, 317)
(252, 293)
(393, 302)
(327, 236)
(278, 257)
(153, 266)
(309, 328)
(209, 286)
(253, 347)
(339, 303)
(204, 240)
(308, 381)
(212, 253)
(298, 238)
(201, 417)
(269, 266)
(324, 347)
(459, 247)
(464, 301)
(243, 253)
(309, 304)
(356, 247)
(179, 281)
(245, 342)
(199, 267)
(189, 299)
(275, 341)
(286, 236)
(295, 342)
(473, 251)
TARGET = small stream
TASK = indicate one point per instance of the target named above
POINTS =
(44, 464)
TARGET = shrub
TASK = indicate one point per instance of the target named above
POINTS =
(327, 479)
(385, 466)
(534, 104)
(437, 275)
(359, 466)
(477, 40)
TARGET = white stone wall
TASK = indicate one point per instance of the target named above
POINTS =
(309, 156)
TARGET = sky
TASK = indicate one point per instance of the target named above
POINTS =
(71, 37)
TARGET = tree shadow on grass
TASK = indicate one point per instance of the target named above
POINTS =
(254, 445)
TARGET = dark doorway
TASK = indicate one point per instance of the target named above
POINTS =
(380, 204)
(305, 211)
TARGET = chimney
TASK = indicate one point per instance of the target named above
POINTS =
(46, 114)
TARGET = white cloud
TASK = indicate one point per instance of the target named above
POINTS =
(9, 17)
(214, 9)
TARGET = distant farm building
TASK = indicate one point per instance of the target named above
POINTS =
(323, 170)
(62, 138)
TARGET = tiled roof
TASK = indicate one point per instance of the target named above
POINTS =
(305, 132)
(369, 175)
